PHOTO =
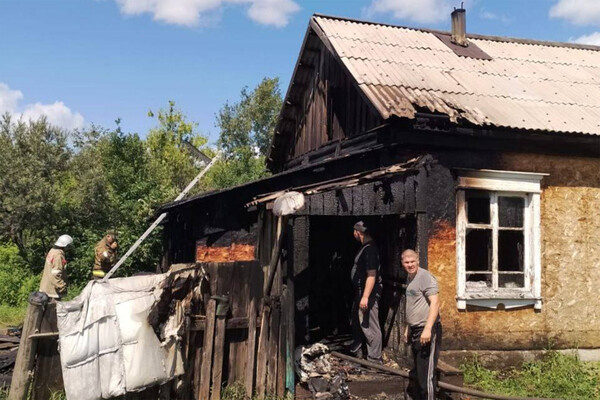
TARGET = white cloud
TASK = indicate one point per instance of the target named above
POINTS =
(9, 99)
(578, 12)
(192, 13)
(423, 11)
(57, 113)
(272, 12)
(495, 17)
(592, 38)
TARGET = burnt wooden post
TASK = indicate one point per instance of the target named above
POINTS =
(25, 361)
(251, 352)
(207, 351)
(48, 373)
(219, 346)
(422, 217)
(290, 310)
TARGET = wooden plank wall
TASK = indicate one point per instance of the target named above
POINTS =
(242, 283)
(388, 197)
(331, 108)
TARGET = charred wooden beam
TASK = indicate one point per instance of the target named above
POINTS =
(198, 323)
(23, 372)
(307, 67)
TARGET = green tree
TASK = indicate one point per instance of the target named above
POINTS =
(170, 156)
(33, 166)
(246, 129)
(126, 178)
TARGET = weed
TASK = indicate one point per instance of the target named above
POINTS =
(237, 391)
(12, 315)
(555, 375)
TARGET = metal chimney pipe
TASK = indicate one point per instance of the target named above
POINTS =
(459, 27)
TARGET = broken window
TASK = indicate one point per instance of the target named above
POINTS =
(498, 238)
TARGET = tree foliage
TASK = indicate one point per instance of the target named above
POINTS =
(90, 182)
(33, 164)
(246, 129)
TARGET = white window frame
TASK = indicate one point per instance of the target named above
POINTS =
(501, 183)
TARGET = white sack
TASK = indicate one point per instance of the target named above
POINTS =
(107, 346)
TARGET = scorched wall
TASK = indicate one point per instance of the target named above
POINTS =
(570, 228)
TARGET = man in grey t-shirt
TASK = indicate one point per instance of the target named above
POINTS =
(423, 327)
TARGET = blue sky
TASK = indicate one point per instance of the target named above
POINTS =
(91, 61)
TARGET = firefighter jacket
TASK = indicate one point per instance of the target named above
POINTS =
(54, 278)
(104, 259)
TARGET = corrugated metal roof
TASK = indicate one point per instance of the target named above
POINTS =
(526, 85)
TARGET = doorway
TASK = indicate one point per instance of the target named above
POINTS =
(331, 253)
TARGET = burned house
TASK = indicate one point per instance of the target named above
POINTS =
(483, 153)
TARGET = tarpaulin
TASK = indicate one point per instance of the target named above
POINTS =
(107, 346)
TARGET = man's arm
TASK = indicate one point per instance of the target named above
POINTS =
(369, 285)
(99, 250)
(58, 265)
(434, 309)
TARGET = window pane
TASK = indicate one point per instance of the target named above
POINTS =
(510, 211)
(478, 207)
(479, 250)
(510, 251)
(478, 282)
(511, 281)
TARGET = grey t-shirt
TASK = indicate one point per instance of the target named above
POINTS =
(418, 290)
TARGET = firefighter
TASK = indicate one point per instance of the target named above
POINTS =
(54, 278)
(105, 256)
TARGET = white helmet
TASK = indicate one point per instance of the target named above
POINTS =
(64, 241)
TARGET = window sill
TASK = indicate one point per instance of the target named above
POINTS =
(492, 300)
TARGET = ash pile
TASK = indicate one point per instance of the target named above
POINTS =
(322, 374)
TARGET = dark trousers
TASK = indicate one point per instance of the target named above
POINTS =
(365, 326)
(423, 383)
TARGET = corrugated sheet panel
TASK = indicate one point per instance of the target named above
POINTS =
(523, 86)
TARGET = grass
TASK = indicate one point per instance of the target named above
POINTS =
(555, 375)
(237, 391)
(15, 315)
(11, 316)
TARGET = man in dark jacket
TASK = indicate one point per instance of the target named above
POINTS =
(366, 278)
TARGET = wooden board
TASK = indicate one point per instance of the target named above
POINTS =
(207, 352)
(282, 344)
(217, 368)
(48, 372)
(251, 349)
(261, 361)
(272, 349)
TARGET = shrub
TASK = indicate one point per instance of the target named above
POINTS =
(16, 281)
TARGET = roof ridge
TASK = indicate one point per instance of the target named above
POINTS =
(471, 35)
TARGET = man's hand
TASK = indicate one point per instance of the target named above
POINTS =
(114, 245)
(405, 334)
(426, 335)
(364, 303)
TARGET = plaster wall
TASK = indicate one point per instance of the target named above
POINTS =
(570, 243)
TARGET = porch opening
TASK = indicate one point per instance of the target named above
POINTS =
(324, 294)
